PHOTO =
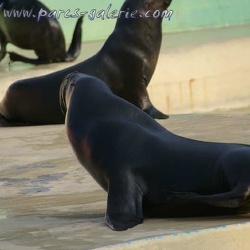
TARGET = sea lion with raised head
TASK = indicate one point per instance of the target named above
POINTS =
(126, 63)
(147, 170)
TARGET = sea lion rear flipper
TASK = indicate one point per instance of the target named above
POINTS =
(232, 199)
(14, 57)
(124, 209)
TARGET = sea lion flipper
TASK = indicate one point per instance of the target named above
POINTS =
(4, 122)
(146, 105)
(124, 209)
(155, 113)
(3, 44)
(75, 46)
(14, 57)
(232, 199)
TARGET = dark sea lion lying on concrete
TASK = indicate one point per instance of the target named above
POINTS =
(147, 170)
(44, 36)
(126, 63)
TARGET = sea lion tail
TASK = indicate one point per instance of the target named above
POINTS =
(75, 46)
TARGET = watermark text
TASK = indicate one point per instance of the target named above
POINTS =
(93, 14)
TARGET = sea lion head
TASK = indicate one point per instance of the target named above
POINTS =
(145, 6)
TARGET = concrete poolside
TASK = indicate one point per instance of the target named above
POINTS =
(48, 201)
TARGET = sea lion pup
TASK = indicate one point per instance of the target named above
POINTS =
(126, 63)
(147, 170)
(20, 26)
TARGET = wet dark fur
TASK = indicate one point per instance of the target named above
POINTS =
(147, 170)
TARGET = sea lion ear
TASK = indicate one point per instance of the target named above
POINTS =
(148, 3)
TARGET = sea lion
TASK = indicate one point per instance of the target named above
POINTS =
(20, 26)
(126, 63)
(146, 169)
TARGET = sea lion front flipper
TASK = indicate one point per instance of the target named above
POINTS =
(124, 209)
(233, 199)
(3, 44)
(155, 113)
(146, 105)
(75, 46)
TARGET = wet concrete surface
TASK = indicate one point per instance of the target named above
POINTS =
(49, 201)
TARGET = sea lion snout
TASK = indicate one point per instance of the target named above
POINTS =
(71, 77)
(168, 2)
